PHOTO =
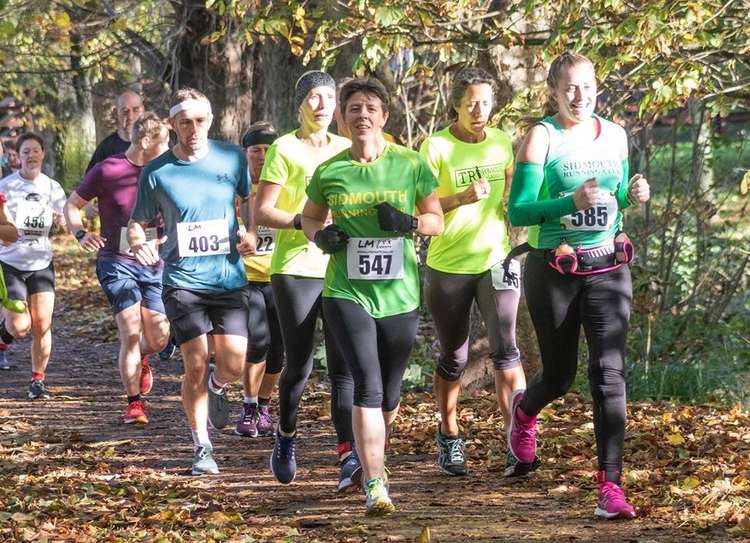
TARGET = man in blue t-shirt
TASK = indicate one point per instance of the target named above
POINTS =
(193, 186)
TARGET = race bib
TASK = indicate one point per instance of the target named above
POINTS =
(203, 238)
(597, 218)
(375, 258)
(33, 219)
(266, 240)
(124, 247)
(510, 280)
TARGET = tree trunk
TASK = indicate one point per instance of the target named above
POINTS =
(221, 69)
(277, 70)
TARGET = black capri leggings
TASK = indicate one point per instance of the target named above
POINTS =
(450, 297)
(376, 350)
(298, 301)
(559, 305)
(264, 332)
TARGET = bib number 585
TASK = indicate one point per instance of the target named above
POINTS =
(593, 216)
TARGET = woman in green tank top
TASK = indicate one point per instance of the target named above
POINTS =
(571, 181)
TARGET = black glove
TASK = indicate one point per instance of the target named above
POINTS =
(331, 239)
(391, 219)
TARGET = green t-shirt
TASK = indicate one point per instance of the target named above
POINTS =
(475, 236)
(290, 163)
(377, 270)
(570, 162)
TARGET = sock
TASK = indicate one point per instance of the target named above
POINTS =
(250, 399)
(344, 449)
(37, 375)
(286, 434)
(263, 401)
(135, 398)
(200, 438)
(5, 335)
(214, 385)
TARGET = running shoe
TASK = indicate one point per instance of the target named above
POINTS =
(514, 468)
(521, 437)
(136, 412)
(612, 503)
(378, 501)
(203, 461)
(4, 364)
(266, 422)
(283, 459)
(351, 472)
(451, 457)
(37, 390)
(247, 425)
(218, 406)
(147, 376)
(168, 351)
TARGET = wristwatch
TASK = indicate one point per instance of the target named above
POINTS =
(414, 223)
(298, 222)
(80, 234)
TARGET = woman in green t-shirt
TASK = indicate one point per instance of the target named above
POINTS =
(371, 293)
(473, 164)
(571, 181)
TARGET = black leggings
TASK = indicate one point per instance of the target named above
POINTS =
(298, 301)
(376, 350)
(450, 297)
(559, 305)
(264, 332)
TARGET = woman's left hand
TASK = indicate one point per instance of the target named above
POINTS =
(639, 190)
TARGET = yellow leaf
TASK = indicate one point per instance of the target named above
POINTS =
(745, 183)
(690, 483)
(675, 439)
(119, 24)
(424, 535)
(62, 20)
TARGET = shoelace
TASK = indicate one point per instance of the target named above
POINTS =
(248, 414)
(457, 451)
(376, 488)
(286, 447)
(612, 492)
(203, 453)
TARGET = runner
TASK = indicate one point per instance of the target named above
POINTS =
(36, 203)
(8, 234)
(371, 294)
(297, 270)
(193, 187)
(265, 352)
(134, 291)
(128, 108)
(473, 164)
(572, 181)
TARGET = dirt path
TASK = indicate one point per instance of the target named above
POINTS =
(69, 470)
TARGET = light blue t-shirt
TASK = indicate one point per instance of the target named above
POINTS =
(189, 194)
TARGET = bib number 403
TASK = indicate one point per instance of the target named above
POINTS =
(203, 244)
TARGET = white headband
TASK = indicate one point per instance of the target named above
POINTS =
(201, 106)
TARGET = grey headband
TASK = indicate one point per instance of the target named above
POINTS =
(307, 82)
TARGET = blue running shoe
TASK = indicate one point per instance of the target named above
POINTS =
(283, 459)
(351, 472)
(168, 351)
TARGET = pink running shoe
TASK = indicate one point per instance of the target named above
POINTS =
(612, 503)
(147, 377)
(521, 435)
